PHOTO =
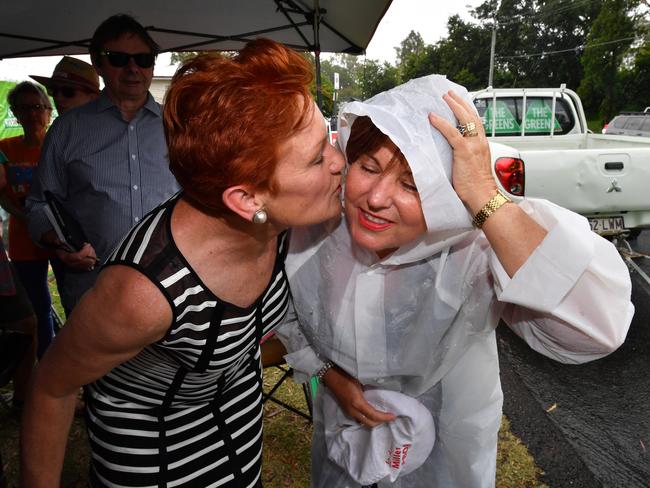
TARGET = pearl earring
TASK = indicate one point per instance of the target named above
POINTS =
(260, 216)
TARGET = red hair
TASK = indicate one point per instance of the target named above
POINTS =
(225, 117)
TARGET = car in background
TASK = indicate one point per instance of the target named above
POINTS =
(630, 124)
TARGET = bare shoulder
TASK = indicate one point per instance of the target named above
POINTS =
(118, 317)
(124, 306)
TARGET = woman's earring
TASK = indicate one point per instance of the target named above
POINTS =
(260, 216)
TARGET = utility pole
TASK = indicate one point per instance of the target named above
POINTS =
(493, 43)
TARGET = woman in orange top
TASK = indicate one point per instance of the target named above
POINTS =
(32, 108)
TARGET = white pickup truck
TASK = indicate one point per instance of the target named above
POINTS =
(545, 150)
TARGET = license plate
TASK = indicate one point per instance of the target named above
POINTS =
(607, 224)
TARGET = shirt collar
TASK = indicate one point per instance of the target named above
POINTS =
(104, 102)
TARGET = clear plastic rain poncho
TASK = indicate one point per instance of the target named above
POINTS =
(421, 321)
(410, 343)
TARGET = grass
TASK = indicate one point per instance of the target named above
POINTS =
(287, 438)
(286, 462)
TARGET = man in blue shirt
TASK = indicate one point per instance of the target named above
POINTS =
(106, 161)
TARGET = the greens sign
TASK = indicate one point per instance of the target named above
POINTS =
(501, 117)
(505, 117)
(538, 118)
(9, 126)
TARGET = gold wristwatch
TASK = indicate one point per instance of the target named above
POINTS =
(489, 208)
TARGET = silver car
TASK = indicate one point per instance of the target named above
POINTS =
(630, 124)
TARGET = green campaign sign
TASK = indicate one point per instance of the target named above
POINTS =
(538, 118)
(504, 121)
(9, 126)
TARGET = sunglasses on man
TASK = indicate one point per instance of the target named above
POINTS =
(119, 59)
(66, 91)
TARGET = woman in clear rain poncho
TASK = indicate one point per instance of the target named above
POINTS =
(404, 293)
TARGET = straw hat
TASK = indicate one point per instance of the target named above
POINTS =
(72, 71)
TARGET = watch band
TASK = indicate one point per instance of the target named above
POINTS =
(489, 208)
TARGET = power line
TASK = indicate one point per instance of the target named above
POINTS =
(544, 13)
(573, 49)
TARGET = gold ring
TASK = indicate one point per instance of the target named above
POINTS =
(467, 129)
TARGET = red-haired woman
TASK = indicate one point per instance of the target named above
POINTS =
(168, 338)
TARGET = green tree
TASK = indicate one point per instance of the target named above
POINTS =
(327, 85)
(376, 77)
(537, 41)
(637, 75)
(349, 68)
(563, 26)
(412, 46)
(639, 95)
(464, 55)
(182, 56)
(608, 42)
(424, 62)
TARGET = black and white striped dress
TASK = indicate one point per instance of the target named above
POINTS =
(187, 410)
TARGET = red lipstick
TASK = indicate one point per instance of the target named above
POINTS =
(364, 221)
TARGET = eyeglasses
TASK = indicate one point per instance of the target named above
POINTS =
(26, 107)
(66, 91)
(119, 59)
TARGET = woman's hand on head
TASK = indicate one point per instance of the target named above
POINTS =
(473, 181)
(349, 394)
(471, 173)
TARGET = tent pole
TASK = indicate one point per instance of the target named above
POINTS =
(319, 86)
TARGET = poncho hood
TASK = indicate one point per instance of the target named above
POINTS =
(402, 114)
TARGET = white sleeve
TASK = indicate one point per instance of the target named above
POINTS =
(571, 299)
(301, 356)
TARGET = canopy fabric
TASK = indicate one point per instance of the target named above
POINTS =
(43, 27)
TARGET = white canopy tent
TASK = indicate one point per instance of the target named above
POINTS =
(43, 27)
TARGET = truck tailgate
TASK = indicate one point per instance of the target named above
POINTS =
(590, 180)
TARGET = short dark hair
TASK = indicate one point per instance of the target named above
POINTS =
(27, 87)
(366, 138)
(114, 27)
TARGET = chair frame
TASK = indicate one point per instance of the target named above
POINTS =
(288, 372)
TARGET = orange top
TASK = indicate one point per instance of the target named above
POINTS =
(19, 171)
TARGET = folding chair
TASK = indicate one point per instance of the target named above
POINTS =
(272, 357)
(58, 320)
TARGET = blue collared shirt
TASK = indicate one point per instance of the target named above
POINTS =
(107, 172)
